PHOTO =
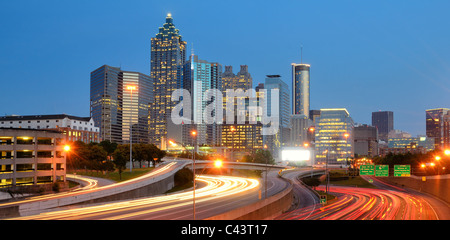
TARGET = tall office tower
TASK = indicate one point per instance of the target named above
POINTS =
(105, 102)
(365, 140)
(240, 138)
(300, 88)
(282, 137)
(116, 107)
(437, 127)
(137, 96)
(384, 121)
(199, 76)
(331, 141)
(167, 58)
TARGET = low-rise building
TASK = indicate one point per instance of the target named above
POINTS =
(74, 128)
(31, 157)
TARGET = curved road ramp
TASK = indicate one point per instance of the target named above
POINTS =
(155, 182)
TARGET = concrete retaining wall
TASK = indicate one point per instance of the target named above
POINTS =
(264, 209)
(438, 186)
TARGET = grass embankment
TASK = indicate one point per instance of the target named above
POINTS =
(114, 176)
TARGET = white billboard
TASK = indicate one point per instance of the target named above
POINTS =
(295, 155)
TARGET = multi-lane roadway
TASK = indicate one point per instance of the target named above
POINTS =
(386, 202)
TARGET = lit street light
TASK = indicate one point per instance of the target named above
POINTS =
(194, 135)
(131, 88)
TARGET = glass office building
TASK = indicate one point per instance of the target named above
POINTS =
(116, 108)
(105, 102)
(282, 137)
(330, 136)
(300, 88)
(199, 76)
(167, 58)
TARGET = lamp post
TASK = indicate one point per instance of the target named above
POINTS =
(66, 150)
(131, 88)
(194, 137)
(265, 185)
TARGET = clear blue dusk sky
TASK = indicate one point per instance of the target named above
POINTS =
(365, 55)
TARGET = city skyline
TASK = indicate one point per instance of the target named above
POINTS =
(352, 66)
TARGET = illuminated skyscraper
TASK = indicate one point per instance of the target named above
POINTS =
(300, 88)
(115, 107)
(167, 57)
(438, 127)
(243, 138)
(330, 136)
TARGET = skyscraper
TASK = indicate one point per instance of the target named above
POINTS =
(384, 121)
(167, 58)
(300, 88)
(437, 127)
(244, 137)
(276, 141)
(116, 108)
(199, 76)
(330, 136)
(105, 102)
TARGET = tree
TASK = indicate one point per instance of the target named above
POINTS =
(120, 156)
(108, 146)
(263, 156)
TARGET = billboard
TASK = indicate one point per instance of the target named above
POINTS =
(295, 155)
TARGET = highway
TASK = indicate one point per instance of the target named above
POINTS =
(30, 205)
(383, 203)
(216, 194)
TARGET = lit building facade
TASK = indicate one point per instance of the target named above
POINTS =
(330, 136)
(243, 138)
(384, 122)
(168, 54)
(199, 76)
(437, 127)
(300, 88)
(137, 96)
(412, 142)
(31, 157)
(120, 100)
(73, 128)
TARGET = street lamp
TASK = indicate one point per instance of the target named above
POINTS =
(194, 135)
(131, 88)
(447, 152)
(66, 150)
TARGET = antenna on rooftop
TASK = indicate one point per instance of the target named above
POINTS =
(301, 53)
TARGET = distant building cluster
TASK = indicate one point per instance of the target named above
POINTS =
(130, 106)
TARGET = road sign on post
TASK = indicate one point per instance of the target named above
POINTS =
(367, 170)
(323, 199)
(402, 170)
(381, 170)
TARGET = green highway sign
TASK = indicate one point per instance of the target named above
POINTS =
(402, 170)
(367, 170)
(381, 170)
(323, 199)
